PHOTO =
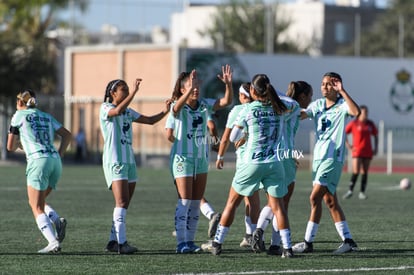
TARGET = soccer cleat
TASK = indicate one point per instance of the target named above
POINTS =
(287, 253)
(347, 195)
(125, 248)
(182, 248)
(362, 196)
(207, 247)
(303, 247)
(174, 233)
(274, 250)
(193, 248)
(212, 225)
(53, 247)
(112, 246)
(257, 244)
(347, 246)
(61, 229)
(215, 248)
(247, 241)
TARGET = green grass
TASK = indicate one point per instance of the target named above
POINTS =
(382, 226)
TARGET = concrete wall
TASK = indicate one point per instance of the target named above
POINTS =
(370, 81)
(89, 69)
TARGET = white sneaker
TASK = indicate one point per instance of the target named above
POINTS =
(53, 247)
(208, 246)
(347, 195)
(347, 246)
(362, 196)
(303, 247)
(246, 242)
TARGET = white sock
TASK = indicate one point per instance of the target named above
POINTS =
(221, 233)
(343, 230)
(44, 225)
(181, 213)
(192, 219)
(207, 210)
(119, 224)
(285, 237)
(51, 213)
(265, 217)
(275, 233)
(311, 230)
(248, 224)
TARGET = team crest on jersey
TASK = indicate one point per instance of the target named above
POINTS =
(117, 169)
(180, 167)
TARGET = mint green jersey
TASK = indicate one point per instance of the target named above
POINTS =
(231, 120)
(190, 129)
(37, 132)
(264, 128)
(117, 135)
(329, 129)
(291, 126)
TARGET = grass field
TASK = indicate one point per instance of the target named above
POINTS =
(382, 226)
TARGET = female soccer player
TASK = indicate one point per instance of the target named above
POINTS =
(118, 158)
(362, 129)
(329, 114)
(252, 204)
(189, 152)
(259, 162)
(301, 92)
(33, 131)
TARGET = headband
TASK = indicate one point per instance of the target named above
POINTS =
(113, 85)
(243, 91)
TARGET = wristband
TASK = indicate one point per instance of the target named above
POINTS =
(14, 130)
(219, 157)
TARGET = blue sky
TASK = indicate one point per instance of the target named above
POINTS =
(139, 15)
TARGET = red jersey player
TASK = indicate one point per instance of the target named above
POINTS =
(362, 130)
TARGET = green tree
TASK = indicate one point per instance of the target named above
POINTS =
(241, 26)
(382, 38)
(27, 56)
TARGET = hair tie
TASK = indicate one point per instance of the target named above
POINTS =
(31, 102)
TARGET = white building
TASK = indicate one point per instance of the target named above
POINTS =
(315, 25)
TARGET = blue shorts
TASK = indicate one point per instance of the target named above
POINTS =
(120, 171)
(251, 177)
(327, 173)
(43, 173)
(184, 166)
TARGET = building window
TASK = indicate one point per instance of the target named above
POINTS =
(342, 33)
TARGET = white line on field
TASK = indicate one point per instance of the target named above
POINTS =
(308, 271)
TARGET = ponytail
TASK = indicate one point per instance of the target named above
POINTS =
(278, 106)
(182, 78)
(264, 90)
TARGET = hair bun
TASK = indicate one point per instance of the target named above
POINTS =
(31, 102)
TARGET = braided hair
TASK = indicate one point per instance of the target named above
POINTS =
(112, 86)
